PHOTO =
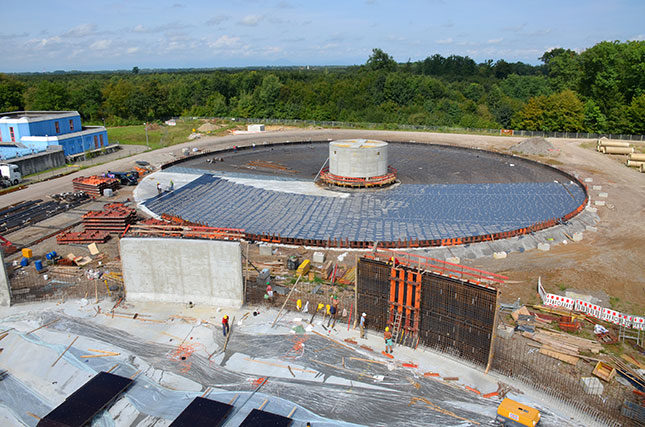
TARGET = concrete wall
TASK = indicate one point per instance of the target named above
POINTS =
(5, 293)
(207, 272)
(52, 158)
(358, 158)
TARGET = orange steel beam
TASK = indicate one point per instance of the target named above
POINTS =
(393, 280)
(409, 299)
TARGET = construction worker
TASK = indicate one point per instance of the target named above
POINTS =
(172, 186)
(333, 311)
(388, 340)
(269, 293)
(225, 325)
(159, 190)
(363, 324)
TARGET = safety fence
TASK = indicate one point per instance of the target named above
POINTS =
(446, 129)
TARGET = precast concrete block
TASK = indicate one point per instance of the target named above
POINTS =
(603, 195)
(265, 250)
(577, 237)
(500, 255)
(591, 228)
(597, 187)
(600, 203)
(505, 332)
(591, 209)
(318, 258)
(588, 179)
(592, 385)
(544, 247)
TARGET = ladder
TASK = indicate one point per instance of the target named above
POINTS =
(396, 325)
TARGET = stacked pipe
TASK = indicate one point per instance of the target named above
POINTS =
(635, 160)
(94, 185)
(114, 218)
(606, 146)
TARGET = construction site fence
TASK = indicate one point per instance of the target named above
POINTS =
(514, 358)
(409, 127)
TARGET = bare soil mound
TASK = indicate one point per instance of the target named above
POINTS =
(536, 146)
(208, 127)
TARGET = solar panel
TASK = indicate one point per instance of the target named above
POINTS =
(203, 413)
(85, 403)
(265, 419)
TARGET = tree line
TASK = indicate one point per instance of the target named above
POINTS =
(600, 90)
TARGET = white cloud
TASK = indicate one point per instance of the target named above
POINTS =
(101, 44)
(224, 42)
(638, 38)
(251, 20)
(218, 19)
(80, 31)
(495, 41)
(445, 41)
(132, 50)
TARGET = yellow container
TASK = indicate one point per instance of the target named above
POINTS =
(26, 252)
(512, 413)
(303, 268)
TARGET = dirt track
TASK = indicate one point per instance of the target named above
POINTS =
(608, 263)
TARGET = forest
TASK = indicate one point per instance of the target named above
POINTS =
(600, 90)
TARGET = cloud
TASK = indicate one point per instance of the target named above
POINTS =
(101, 44)
(445, 41)
(132, 50)
(178, 5)
(224, 42)
(142, 29)
(638, 38)
(251, 20)
(80, 31)
(218, 19)
(495, 41)
(285, 5)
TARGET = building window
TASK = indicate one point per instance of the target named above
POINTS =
(96, 142)
(71, 124)
(101, 138)
(57, 127)
(12, 135)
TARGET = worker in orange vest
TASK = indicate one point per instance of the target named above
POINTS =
(225, 325)
(388, 340)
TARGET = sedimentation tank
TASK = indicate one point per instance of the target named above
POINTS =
(358, 158)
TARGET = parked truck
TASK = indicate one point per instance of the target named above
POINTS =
(11, 173)
(125, 178)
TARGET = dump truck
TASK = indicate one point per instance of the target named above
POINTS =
(11, 173)
(514, 414)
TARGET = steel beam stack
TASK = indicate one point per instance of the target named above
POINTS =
(114, 218)
(84, 237)
(94, 185)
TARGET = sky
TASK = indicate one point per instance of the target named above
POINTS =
(49, 35)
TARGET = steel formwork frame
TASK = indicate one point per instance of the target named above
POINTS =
(446, 313)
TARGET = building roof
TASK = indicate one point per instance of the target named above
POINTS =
(34, 116)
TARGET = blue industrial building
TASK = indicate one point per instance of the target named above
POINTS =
(29, 132)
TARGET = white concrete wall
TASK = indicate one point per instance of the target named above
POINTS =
(5, 293)
(206, 272)
(358, 158)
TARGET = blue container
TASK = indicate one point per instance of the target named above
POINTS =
(24, 262)
(38, 264)
(51, 255)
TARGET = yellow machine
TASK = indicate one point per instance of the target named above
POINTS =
(512, 414)
(303, 268)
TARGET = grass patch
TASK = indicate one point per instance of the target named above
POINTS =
(588, 144)
(562, 287)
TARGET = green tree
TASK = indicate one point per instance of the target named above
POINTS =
(594, 120)
(48, 96)
(636, 115)
(380, 60)
(11, 91)
(268, 94)
(563, 68)
(559, 112)
(216, 105)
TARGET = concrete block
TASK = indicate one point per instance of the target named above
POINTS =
(591, 228)
(255, 128)
(603, 195)
(600, 203)
(205, 272)
(499, 255)
(505, 332)
(453, 259)
(318, 258)
(266, 250)
(592, 210)
(597, 187)
(544, 246)
(577, 237)
(592, 385)
(588, 179)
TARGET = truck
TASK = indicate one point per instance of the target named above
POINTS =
(125, 178)
(11, 173)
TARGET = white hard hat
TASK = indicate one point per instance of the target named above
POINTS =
(364, 314)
